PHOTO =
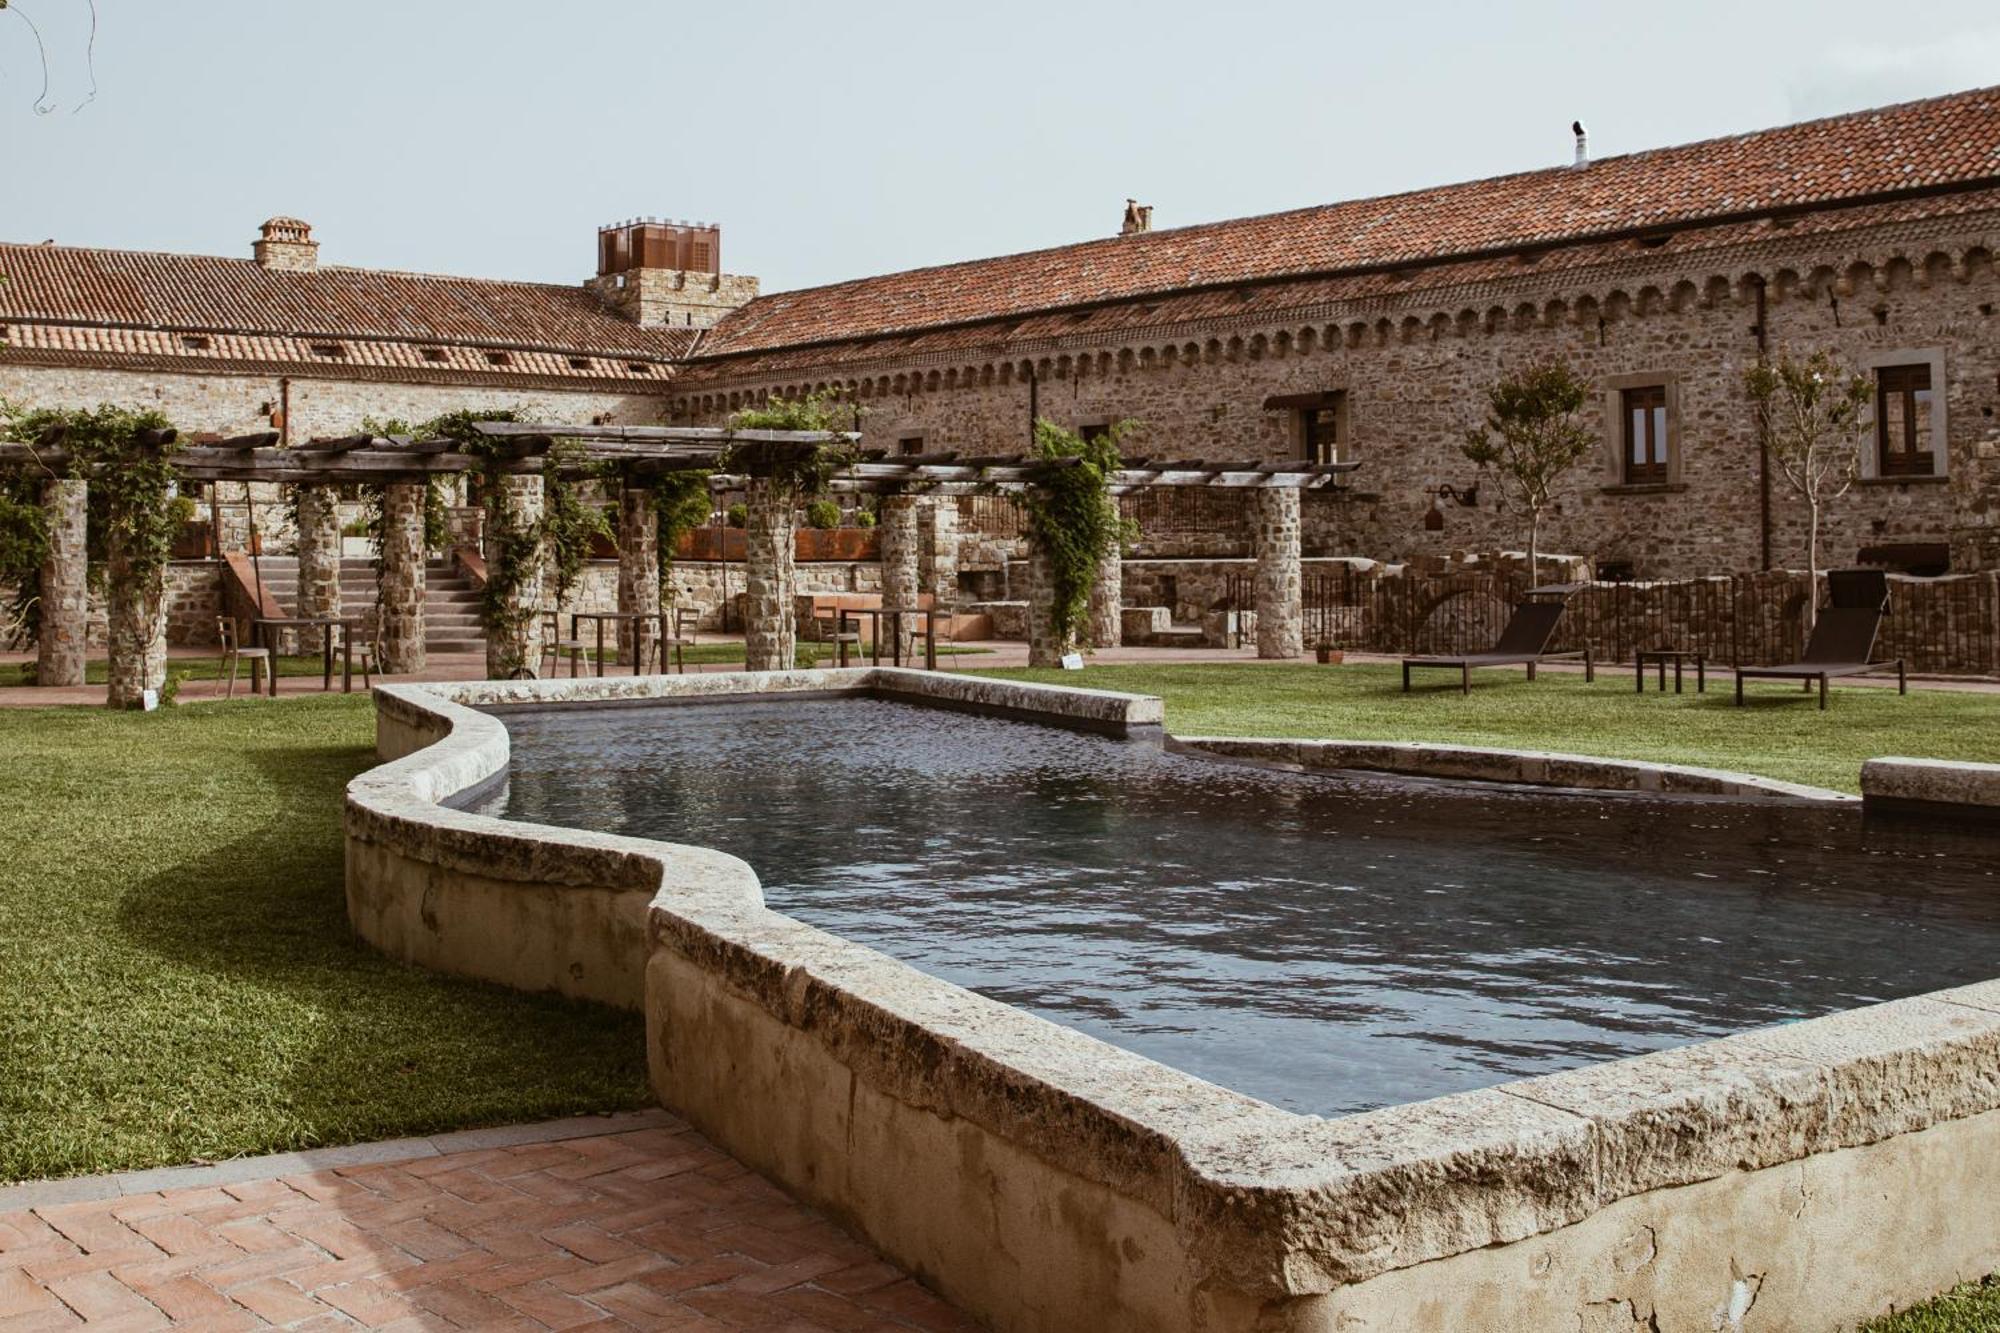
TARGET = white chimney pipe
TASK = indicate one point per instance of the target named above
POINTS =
(1582, 144)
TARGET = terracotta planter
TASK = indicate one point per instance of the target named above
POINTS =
(1329, 656)
(809, 544)
(847, 544)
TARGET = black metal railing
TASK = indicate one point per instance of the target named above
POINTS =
(1943, 626)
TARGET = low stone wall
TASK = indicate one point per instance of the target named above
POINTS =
(1802, 1176)
(1480, 764)
(1932, 784)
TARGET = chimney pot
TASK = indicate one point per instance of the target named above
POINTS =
(1582, 144)
(286, 243)
(1138, 218)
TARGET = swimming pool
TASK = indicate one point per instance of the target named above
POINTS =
(1328, 943)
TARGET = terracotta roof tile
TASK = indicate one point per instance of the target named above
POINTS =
(1944, 141)
(147, 291)
(1692, 251)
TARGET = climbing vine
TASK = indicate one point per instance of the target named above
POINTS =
(571, 523)
(134, 486)
(795, 468)
(24, 542)
(683, 503)
(1073, 515)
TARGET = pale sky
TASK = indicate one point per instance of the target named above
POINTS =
(837, 140)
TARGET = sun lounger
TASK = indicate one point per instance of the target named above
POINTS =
(1525, 642)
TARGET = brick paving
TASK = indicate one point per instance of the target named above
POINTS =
(650, 1228)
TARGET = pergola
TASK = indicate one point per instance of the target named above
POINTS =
(516, 453)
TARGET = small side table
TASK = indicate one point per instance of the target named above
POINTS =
(1677, 656)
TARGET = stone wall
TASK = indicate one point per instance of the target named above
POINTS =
(1413, 368)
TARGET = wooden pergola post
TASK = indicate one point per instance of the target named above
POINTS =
(65, 610)
(399, 638)
(770, 627)
(638, 572)
(319, 551)
(514, 633)
(1279, 582)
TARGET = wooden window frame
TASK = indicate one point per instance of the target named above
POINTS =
(1657, 469)
(904, 443)
(1910, 456)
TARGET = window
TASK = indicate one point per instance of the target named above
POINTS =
(910, 444)
(579, 363)
(499, 359)
(1319, 433)
(433, 353)
(638, 367)
(1903, 405)
(194, 342)
(334, 350)
(1645, 435)
(1093, 430)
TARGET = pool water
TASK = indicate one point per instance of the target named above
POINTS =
(1328, 943)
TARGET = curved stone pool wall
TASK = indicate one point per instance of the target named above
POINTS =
(1802, 1176)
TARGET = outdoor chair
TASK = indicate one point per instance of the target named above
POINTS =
(676, 632)
(1842, 640)
(234, 653)
(1525, 642)
(554, 645)
(843, 631)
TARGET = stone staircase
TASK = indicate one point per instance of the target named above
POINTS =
(451, 604)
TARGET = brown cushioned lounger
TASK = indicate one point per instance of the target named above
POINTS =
(1524, 642)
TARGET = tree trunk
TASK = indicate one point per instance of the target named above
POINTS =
(1812, 563)
(1534, 546)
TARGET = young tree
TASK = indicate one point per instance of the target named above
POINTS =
(1813, 412)
(1531, 438)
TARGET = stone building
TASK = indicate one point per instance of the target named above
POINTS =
(1367, 330)
(1362, 331)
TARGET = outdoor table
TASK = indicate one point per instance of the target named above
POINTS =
(267, 629)
(1676, 655)
(666, 618)
(878, 614)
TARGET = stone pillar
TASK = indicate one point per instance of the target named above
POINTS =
(1045, 649)
(319, 551)
(1280, 586)
(638, 571)
(769, 616)
(514, 627)
(138, 614)
(399, 625)
(65, 590)
(901, 553)
(1107, 602)
(937, 534)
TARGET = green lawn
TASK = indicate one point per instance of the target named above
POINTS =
(178, 981)
(1780, 734)
(97, 671)
(1972, 1308)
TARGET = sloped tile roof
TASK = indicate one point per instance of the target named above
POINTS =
(1158, 314)
(1940, 142)
(139, 290)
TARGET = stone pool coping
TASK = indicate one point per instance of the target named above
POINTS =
(1266, 1204)
(1474, 763)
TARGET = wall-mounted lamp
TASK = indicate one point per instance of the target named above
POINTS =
(1434, 516)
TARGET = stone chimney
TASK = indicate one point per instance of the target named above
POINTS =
(667, 273)
(1138, 218)
(286, 243)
